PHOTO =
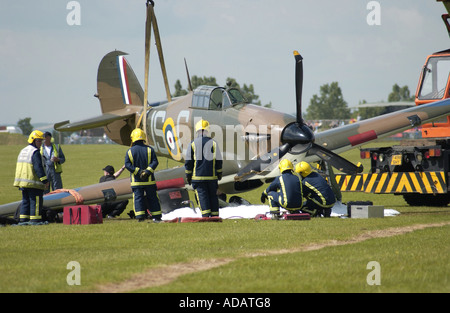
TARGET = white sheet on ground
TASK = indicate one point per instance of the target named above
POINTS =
(250, 211)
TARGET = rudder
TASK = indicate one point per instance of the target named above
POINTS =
(117, 84)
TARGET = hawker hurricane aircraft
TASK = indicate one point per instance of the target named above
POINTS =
(252, 138)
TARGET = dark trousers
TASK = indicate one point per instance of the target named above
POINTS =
(206, 193)
(146, 197)
(114, 208)
(274, 204)
(315, 209)
(30, 209)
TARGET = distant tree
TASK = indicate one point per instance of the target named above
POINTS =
(179, 91)
(329, 105)
(400, 94)
(198, 81)
(247, 90)
(25, 126)
(365, 113)
(397, 94)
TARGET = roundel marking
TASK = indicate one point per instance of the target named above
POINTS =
(171, 140)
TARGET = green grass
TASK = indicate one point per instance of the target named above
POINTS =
(34, 258)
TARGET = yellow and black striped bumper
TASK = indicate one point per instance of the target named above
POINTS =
(423, 182)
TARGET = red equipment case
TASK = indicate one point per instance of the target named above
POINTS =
(83, 214)
(297, 216)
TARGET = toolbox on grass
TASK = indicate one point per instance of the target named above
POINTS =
(364, 209)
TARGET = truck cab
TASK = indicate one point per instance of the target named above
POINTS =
(434, 85)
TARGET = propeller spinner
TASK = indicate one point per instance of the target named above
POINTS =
(297, 138)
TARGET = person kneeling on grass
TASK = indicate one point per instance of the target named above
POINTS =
(319, 195)
(285, 191)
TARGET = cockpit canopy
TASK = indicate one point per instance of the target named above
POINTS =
(216, 98)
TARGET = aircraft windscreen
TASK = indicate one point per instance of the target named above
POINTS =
(235, 96)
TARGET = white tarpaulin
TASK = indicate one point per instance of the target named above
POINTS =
(250, 211)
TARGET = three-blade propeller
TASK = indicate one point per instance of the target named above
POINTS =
(296, 138)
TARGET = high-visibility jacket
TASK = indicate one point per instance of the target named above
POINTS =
(141, 157)
(30, 171)
(316, 188)
(57, 153)
(203, 159)
(289, 189)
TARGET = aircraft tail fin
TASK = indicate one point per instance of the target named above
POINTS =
(120, 94)
(121, 100)
(117, 85)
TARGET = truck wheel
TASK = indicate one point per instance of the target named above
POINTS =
(416, 199)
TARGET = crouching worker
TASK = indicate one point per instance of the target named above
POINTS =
(319, 195)
(32, 180)
(285, 191)
(115, 208)
(141, 162)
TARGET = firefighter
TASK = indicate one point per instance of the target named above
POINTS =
(319, 195)
(285, 191)
(32, 180)
(141, 162)
(53, 158)
(203, 169)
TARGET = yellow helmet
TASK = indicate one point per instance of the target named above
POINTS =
(202, 125)
(35, 134)
(285, 165)
(138, 134)
(303, 168)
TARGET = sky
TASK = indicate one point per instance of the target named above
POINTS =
(50, 49)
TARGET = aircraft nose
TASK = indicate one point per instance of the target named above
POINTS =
(299, 136)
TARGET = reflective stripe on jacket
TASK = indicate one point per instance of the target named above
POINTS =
(27, 172)
(57, 153)
(203, 159)
(141, 157)
(316, 188)
(289, 188)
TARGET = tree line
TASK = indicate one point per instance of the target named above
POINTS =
(328, 104)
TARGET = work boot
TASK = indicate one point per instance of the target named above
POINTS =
(276, 216)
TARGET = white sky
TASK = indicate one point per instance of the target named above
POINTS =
(49, 68)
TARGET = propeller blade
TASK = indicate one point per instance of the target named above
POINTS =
(335, 160)
(263, 163)
(298, 84)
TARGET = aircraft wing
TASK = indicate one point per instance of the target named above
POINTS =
(99, 121)
(346, 137)
(115, 190)
(385, 104)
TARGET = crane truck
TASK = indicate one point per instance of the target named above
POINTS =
(417, 169)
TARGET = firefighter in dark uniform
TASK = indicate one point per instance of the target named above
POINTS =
(285, 191)
(203, 168)
(32, 180)
(319, 195)
(141, 162)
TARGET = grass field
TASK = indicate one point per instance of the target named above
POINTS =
(319, 255)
